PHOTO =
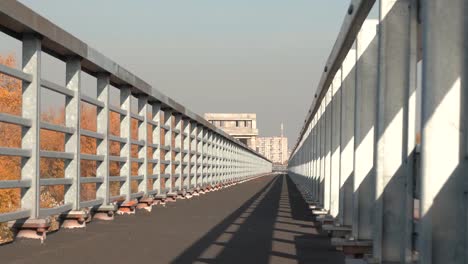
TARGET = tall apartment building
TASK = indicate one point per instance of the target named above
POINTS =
(274, 148)
(240, 126)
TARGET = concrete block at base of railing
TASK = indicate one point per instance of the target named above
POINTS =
(104, 212)
(127, 208)
(145, 203)
(32, 228)
(352, 247)
(325, 219)
(75, 219)
(337, 230)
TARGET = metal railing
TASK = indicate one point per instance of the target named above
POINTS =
(185, 152)
(358, 159)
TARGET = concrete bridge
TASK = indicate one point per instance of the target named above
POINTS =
(377, 174)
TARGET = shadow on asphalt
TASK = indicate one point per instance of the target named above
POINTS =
(274, 226)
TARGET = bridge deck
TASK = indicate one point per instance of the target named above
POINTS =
(261, 221)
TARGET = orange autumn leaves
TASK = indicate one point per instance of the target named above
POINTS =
(10, 136)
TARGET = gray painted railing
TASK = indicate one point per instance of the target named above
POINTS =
(357, 160)
(187, 152)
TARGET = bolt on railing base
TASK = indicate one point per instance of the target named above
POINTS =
(145, 203)
(75, 219)
(104, 212)
(127, 208)
(353, 248)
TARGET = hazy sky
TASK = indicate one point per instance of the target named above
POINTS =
(260, 56)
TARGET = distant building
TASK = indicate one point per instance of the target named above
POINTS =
(240, 126)
(274, 148)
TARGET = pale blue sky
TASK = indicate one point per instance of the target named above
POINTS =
(261, 56)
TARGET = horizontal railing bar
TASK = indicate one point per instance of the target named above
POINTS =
(15, 120)
(137, 195)
(57, 155)
(43, 212)
(154, 161)
(57, 88)
(152, 192)
(165, 175)
(92, 157)
(15, 73)
(153, 123)
(137, 178)
(117, 178)
(153, 145)
(11, 184)
(153, 176)
(15, 152)
(168, 148)
(166, 162)
(57, 128)
(91, 180)
(10, 216)
(91, 134)
(55, 181)
(137, 117)
(139, 160)
(117, 158)
(165, 127)
(117, 138)
(177, 149)
(117, 109)
(91, 203)
(117, 197)
(137, 142)
(92, 101)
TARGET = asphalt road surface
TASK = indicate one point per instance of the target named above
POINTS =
(261, 221)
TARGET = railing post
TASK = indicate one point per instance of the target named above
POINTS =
(188, 154)
(347, 138)
(322, 155)
(203, 156)
(31, 109)
(176, 153)
(397, 61)
(103, 119)
(167, 150)
(210, 157)
(444, 145)
(335, 132)
(72, 141)
(143, 150)
(196, 148)
(365, 107)
(316, 171)
(214, 159)
(156, 134)
(125, 151)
